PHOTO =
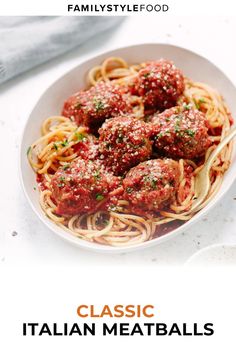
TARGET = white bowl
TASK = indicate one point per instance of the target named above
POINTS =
(215, 255)
(50, 103)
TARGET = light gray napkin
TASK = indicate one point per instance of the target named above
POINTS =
(28, 41)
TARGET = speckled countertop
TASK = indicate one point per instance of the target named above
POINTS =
(24, 239)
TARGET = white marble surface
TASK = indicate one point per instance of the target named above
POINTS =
(24, 239)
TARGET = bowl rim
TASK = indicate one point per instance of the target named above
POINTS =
(92, 246)
(192, 259)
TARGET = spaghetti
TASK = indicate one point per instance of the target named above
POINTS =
(58, 147)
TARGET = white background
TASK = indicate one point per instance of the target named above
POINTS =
(53, 294)
(59, 7)
(46, 279)
(212, 37)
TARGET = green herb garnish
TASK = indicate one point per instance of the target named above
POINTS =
(178, 117)
(108, 145)
(177, 127)
(97, 175)
(160, 135)
(99, 105)
(78, 105)
(28, 150)
(65, 167)
(55, 146)
(65, 143)
(99, 197)
(129, 190)
(153, 183)
(187, 106)
(120, 138)
(79, 136)
(196, 104)
(190, 132)
(202, 100)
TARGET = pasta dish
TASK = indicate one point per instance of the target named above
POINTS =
(118, 166)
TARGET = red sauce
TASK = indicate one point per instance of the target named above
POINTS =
(166, 228)
(87, 149)
(118, 164)
(40, 179)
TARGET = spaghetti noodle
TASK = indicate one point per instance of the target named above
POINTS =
(58, 146)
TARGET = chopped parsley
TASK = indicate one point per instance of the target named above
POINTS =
(196, 104)
(99, 197)
(99, 105)
(177, 127)
(202, 100)
(78, 105)
(190, 132)
(79, 136)
(120, 138)
(178, 117)
(187, 106)
(143, 142)
(160, 135)
(153, 183)
(28, 150)
(150, 181)
(108, 144)
(129, 190)
(65, 167)
(97, 175)
(65, 143)
(34, 188)
(62, 180)
(146, 75)
(55, 146)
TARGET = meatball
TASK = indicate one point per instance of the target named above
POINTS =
(180, 133)
(152, 185)
(86, 147)
(92, 107)
(82, 187)
(123, 143)
(160, 84)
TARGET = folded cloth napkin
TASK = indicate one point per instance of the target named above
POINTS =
(28, 41)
